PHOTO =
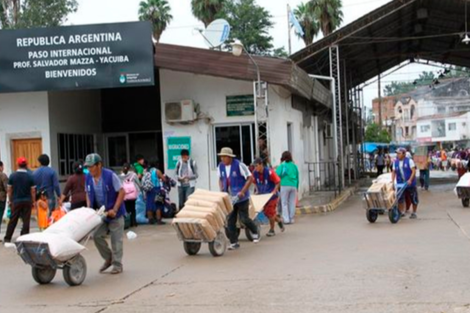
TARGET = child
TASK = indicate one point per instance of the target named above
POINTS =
(43, 210)
(56, 215)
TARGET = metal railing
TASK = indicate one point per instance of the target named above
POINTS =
(324, 176)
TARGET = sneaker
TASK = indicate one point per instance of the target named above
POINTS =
(116, 270)
(403, 215)
(281, 226)
(105, 266)
(160, 222)
(271, 233)
(234, 246)
(256, 238)
(413, 216)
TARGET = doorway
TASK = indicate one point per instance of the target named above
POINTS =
(30, 149)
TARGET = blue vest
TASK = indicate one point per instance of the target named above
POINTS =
(406, 170)
(264, 186)
(110, 195)
(237, 180)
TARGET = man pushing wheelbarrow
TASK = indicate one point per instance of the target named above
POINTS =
(404, 170)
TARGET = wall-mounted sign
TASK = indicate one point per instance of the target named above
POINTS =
(240, 105)
(77, 57)
(175, 145)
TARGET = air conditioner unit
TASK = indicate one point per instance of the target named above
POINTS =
(329, 131)
(180, 111)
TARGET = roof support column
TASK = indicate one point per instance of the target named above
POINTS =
(335, 73)
(346, 101)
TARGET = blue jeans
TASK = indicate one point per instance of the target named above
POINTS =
(424, 178)
(288, 198)
(183, 193)
(2, 212)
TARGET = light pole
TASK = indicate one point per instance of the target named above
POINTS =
(237, 50)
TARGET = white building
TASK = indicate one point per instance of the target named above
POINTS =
(121, 123)
(452, 127)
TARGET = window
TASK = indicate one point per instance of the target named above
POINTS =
(406, 115)
(452, 126)
(412, 111)
(73, 148)
(289, 137)
(441, 110)
(407, 131)
(425, 128)
(240, 138)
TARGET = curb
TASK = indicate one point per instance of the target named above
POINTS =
(325, 208)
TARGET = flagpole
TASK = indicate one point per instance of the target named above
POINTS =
(288, 29)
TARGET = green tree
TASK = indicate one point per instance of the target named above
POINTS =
(397, 88)
(207, 10)
(158, 13)
(307, 19)
(250, 24)
(280, 53)
(375, 134)
(35, 13)
(329, 13)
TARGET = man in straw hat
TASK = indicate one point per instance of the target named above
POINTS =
(235, 179)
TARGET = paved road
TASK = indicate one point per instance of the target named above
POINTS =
(336, 262)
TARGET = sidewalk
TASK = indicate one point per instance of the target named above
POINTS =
(323, 202)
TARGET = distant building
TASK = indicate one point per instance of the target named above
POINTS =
(406, 117)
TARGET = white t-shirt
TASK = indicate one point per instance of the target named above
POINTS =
(244, 170)
(400, 166)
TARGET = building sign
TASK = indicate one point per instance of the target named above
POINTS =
(240, 105)
(175, 145)
(77, 57)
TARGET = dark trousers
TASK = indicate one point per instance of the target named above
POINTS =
(130, 209)
(183, 193)
(424, 178)
(77, 205)
(380, 169)
(23, 210)
(240, 209)
(2, 211)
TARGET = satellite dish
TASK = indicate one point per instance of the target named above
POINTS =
(217, 33)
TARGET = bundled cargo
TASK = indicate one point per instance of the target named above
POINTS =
(202, 219)
(380, 195)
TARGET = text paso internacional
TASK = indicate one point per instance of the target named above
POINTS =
(77, 57)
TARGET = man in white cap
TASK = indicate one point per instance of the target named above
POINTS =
(235, 179)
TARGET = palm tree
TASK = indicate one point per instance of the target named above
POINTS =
(157, 12)
(207, 10)
(307, 19)
(329, 13)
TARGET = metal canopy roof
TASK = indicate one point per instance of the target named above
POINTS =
(399, 31)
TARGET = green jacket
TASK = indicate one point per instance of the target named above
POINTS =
(289, 174)
(139, 169)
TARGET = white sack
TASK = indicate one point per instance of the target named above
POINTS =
(60, 247)
(76, 224)
(464, 181)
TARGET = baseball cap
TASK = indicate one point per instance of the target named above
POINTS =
(92, 159)
(22, 161)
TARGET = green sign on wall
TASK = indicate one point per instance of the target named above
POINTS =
(175, 145)
(240, 105)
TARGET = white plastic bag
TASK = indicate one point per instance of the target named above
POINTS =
(76, 224)
(60, 247)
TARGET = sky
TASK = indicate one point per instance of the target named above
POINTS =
(181, 30)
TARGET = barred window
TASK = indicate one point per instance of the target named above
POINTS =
(73, 147)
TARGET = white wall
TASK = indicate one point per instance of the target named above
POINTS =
(73, 112)
(23, 115)
(210, 93)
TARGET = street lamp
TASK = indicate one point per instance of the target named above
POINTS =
(237, 50)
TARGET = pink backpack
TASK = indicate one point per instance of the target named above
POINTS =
(131, 192)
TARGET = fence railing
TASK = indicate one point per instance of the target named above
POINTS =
(324, 176)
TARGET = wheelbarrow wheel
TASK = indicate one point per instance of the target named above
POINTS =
(465, 202)
(394, 215)
(43, 275)
(372, 216)
(219, 245)
(249, 234)
(75, 271)
(192, 248)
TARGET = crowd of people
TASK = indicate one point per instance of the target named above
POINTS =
(91, 185)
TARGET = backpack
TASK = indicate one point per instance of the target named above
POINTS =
(147, 184)
(129, 188)
(178, 165)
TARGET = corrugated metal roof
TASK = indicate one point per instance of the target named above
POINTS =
(394, 33)
(282, 72)
(441, 116)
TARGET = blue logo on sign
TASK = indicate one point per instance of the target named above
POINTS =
(122, 79)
